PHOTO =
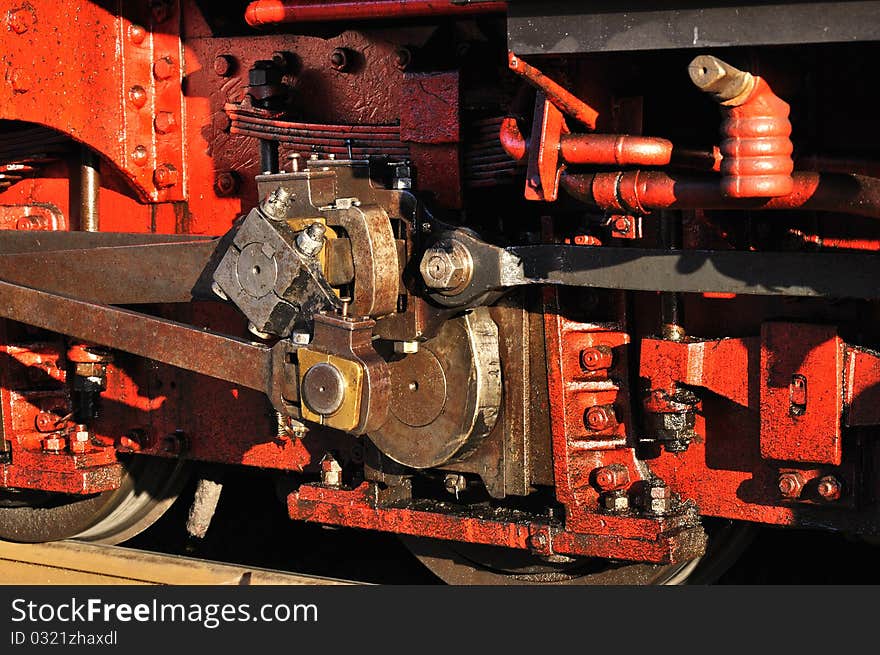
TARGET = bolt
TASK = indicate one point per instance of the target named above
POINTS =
(600, 417)
(295, 162)
(613, 477)
(331, 472)
(447, 266)
(597, 358)
(406, 347)
(402, 58)
(538, 541)
(791, 484)
(277, 203)
(163, 68)
(164, 122)
(615, 502)
(54, 443)
(339, 59)
(139, 155)
(310, 241)
(215, 288)
(79, 440)
(136, 34)
(226, 183)
(658, 498)
(20, 20)
(829, 488)
(455, 483)
(27, 223)
(224, 65)
(137, 96)
(621, 225)
(165, 176)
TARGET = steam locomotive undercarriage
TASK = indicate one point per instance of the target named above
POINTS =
(558, 292)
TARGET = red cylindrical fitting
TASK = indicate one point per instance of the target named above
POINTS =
(512, 140)
(756, 133)
(615, 149)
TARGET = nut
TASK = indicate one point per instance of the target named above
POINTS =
(163, 68)
(226, 183)
(616, 502)
(791, 484)
(600, 418)
(829, 488)
(331, 472)
(446, 267)
(79, 440)
(613, 477)
(658, 498)
(455, 483)
(597, 358)
(54, 443)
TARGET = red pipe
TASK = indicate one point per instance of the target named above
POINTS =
(596, 149)
(273, 12)
(639, 192)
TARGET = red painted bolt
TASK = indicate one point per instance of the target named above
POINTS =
(136, 34)
(224, 65)
(79, 441)
(139, 155)
(164, 68)
(621, 224)
(165, 176)
(610, 478)
(137, 95)
(20, 20)
(600, 417)
(46, 421)
(829, 488)
(402, 58)
(597, 358)
(791, 484)
(226, 184)
(164, 122)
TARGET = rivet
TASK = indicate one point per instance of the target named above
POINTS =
(139, 155)
(137, 95)
(136, 34)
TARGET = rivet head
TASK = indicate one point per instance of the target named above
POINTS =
(164, 122)
(165, 176)
(137, 95)
(20, 20)
(224, 65)
(139, 155)
(136, 34)
(163, 68)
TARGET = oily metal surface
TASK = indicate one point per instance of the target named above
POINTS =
(460, 370)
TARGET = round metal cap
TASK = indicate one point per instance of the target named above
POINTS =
(323, 389)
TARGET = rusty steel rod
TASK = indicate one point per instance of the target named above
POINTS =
(273, 12)
(645, 191)
(220, 356)
(89, 191)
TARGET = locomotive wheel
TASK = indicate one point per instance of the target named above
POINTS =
(149, 487)
(474, 564)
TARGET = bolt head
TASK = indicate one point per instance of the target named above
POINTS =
(165, 176)
(597, 358)
(829, 488)
(615, 502)
(136, 34)
(445, 267)
(165, 122)
(339, 59)
(612, 477)
(20, 20)
(224, 65)
(163, 68)
(54, 443)
(600, 417)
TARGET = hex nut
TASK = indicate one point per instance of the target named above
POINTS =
(447, 267)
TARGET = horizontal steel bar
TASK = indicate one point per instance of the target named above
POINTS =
(565, 27)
